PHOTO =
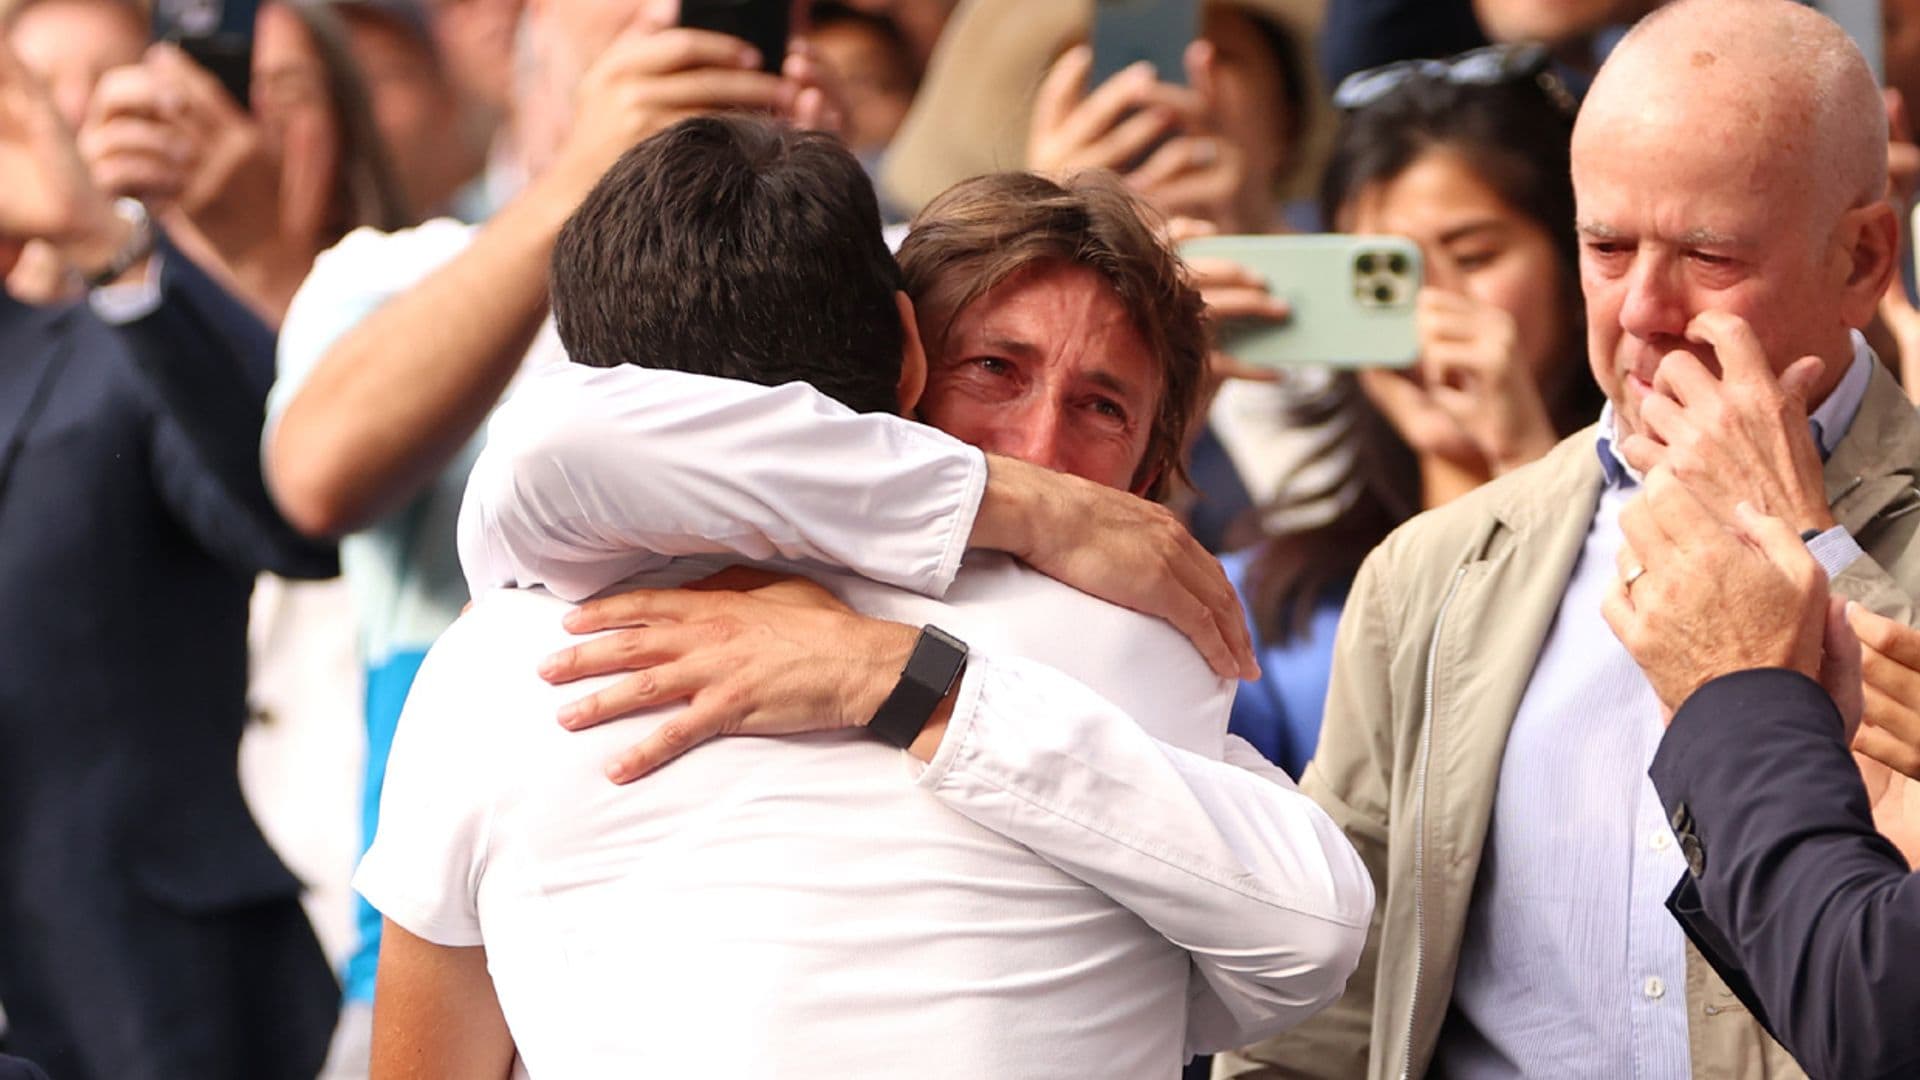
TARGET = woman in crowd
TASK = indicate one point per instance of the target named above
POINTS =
(1468, 158)
(1008, 88)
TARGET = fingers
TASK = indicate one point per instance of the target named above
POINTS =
(1645, 544)
(1665, 420)
(641, 607)
(1891, 638)
(642, 52)
(1735, 345)
(1065, 84)
(1616, 607)
(673, 737)
(1206, 609)
(1203, 156)
(646, 689)
(626, 650)
(1680, 515)
(1901, 754)
(1682, 377)
(1801, 376)
(1645, 454)
(1841, 667)
(1781, 544)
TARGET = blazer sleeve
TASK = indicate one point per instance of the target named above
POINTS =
(1815, 910)
(209, 362)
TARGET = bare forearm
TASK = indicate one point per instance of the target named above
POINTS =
(397, 396)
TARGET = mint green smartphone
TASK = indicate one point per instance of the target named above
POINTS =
(1352, 299)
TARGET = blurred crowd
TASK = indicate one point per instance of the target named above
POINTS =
(416, 308)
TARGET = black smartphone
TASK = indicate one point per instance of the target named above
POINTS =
(763, 24)
(1126, 32)
(218, 34)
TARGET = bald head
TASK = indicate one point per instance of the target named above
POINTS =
(1772, 78)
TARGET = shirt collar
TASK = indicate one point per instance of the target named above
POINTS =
(1829, 422)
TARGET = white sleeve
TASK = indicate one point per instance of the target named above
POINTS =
(591, 475)
(1225, 859)
(436, 807)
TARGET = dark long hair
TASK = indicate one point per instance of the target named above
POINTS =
(1515, 135)
(366, 190)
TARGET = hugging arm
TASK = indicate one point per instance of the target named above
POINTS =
(1225, 859)
(593, 475)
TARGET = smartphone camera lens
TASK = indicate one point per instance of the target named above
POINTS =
(1383, 293)
(1364, 264)
(1397, 265)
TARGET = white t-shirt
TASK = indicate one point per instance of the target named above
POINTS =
(808, 906)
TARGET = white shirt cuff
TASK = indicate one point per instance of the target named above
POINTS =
(130, 301)
(1835, 550)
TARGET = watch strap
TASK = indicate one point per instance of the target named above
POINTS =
(139, 243)
(932, 669)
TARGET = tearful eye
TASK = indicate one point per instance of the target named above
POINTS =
(993, 365)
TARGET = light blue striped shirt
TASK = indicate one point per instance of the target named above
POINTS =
(1571, 966)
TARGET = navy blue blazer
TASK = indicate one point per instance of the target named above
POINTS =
(13, 1068)
(1810, 915)
(133, 520)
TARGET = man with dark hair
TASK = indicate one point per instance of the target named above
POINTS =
(722, 298)
(1059, 885)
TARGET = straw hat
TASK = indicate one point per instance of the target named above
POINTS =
(976, 103)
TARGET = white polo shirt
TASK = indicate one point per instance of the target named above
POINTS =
(1061, 890)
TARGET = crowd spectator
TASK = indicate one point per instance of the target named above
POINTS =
(1486, 737)
(146, 928)
(266, 188)
(877, 70)
(67, 45)
(1008, 88)
(436, 139)
(1468, 158)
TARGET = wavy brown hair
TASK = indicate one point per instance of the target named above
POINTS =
(982, 232)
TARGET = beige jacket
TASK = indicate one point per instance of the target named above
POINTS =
(1435, 649)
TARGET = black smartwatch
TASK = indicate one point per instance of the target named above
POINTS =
(932, 670)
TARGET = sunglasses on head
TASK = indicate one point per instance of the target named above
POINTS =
(1493, 65)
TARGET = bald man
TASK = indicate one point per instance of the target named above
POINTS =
(1487, 738)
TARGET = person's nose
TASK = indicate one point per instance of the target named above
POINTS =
(1035, 435)
(1654, 307)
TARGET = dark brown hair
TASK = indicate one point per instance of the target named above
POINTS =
(366, 190)
(981, 233)
(738, 248)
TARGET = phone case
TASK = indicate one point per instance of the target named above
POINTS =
(1126, 32)
(762, 24)
(1352, 299)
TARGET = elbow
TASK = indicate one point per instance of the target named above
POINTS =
(311, 489)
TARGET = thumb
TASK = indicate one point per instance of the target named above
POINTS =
(1841, 671)
(1801, 377)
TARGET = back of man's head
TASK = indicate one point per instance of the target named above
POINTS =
(737, 248)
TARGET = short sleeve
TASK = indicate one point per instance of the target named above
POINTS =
(350, 281)
(436, 806)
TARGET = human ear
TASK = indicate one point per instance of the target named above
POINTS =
(1870, 236)
(913, 356)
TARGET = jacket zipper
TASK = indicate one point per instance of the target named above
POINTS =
(1420, 825)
